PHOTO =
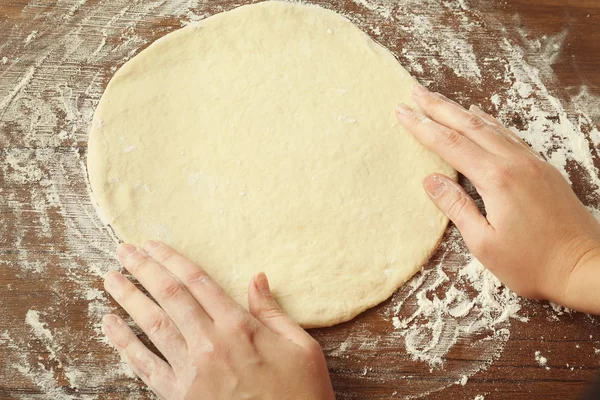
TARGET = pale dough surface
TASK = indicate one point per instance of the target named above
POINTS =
(264, 139)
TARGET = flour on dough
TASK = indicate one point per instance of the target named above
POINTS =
(264, 139)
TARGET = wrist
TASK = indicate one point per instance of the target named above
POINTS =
(578, 280)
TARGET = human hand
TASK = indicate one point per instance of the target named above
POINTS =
(536, 236)
(214, 348)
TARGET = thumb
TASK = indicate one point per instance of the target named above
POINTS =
(264, 307)
(453, 201)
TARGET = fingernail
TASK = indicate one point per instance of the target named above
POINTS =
(262, 284)
(404, 110)
(435, 186)
(419, 90)
(110, 321)
(113, 282)
(151, 245)
(126, 250)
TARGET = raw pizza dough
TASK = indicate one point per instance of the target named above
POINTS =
(264, 139)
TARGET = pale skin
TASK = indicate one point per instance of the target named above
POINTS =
(536, 237)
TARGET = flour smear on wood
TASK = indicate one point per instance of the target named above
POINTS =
(53, 67)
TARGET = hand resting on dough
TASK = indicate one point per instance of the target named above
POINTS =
(536, 237)
(214, 348)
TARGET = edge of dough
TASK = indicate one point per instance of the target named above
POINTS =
(95, 175)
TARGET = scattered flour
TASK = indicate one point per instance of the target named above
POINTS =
(39, 330)
(380, 8)
(558, 309)
(472, 302)
(25, 80)
(541, 360)
(31, 37)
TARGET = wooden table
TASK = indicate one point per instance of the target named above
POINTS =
(57, 56)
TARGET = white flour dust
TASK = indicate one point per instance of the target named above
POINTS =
(383, 9)
(53, 67)
(541, 360)
(440, 320)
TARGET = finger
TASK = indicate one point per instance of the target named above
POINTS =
(487, 117)
(161, 330)
(456, 149)
(264, 307)
(205, 290)
(453, 201)
(452, 115)
(504, 131)
(166, 289)
(155, 373)
(498, 127)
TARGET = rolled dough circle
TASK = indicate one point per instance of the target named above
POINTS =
(264, 139)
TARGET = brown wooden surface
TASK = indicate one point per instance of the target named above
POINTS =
(568, 339)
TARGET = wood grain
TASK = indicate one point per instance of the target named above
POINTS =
(569, 342)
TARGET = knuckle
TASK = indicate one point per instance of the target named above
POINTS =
(162, 252)
(123, 339)
(157, 324)
(197, 276)
(449, 137)
(143, 365)
(457, 205)
(270, 313)
(435, 100)
(126, 292)
(170, 289)
(140, 265)
(474, 122)
(219, 296)
(417, 118)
